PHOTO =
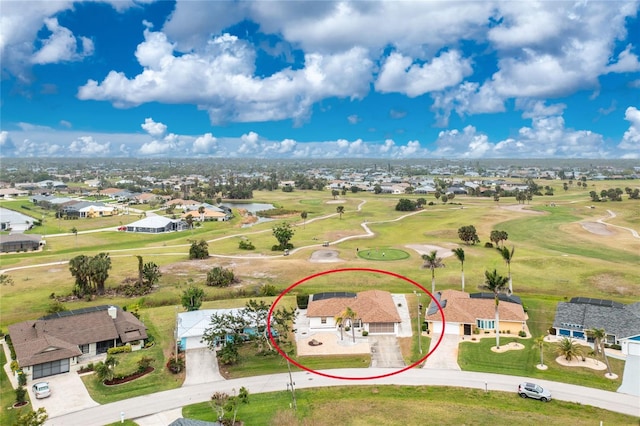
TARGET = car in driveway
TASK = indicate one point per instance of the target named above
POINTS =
(41, 390)
(531, 390)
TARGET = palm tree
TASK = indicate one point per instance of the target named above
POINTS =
(459, 252)
(304, 215)
(568, 349)
(507, 255)
(340, 210)
(201, 210)
(74, 231)
(539, 342)
(347, 314)
(432, 261)
(495, 283)
(599, 335)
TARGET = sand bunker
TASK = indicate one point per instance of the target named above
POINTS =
(336, 202)
(427, 249)
(325, 256)
(521, 208)
(596, 228)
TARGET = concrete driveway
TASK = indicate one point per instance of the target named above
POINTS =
(385, 352)
(445, 357)
(202, 367)
(68, 394)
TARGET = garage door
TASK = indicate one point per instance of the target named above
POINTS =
(381, 327)
(634, 348)
(50, 368)
(449, 328)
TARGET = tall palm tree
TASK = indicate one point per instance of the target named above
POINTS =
(340, 210)
(507, 255)
(495, 283)
(201, 210)
(539, 342)
(568, 349)
(599, 336)
(304, 215)
(350, 315)
(459, 252)
(432, 261)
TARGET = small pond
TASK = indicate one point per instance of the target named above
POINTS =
(252, 208)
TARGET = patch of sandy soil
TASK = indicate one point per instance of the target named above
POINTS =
(332, 345)
(325, 256)
(511, 346)
(596, 228)
(427, 249)
(524, 208)
(591, 363)
(336, 202)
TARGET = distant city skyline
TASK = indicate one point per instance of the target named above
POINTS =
(320, 79)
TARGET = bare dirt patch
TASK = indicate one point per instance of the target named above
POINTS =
(596, 228)
(523, 208)
(427, 249)
(336, 202)
(614, 283)
(325, 256)
(511, 346)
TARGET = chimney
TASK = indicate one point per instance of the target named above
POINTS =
(113, 312)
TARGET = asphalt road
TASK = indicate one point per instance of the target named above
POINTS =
(149, 404)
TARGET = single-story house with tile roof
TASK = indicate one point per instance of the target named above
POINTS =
(375, 309)
(156, 225)
(465, 313)
(620, 321)
(60, 342)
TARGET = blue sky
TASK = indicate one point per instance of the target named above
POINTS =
(320, 79)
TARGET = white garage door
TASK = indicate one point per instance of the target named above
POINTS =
(634, 348)
(194, 342)
(449, 328)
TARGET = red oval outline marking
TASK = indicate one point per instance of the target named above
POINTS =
(378, 271)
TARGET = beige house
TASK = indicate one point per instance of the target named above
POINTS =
(376, 312)
(466, 314)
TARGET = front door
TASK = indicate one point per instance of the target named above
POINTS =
(467, 329)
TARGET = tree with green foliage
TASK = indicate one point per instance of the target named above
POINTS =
(74, 231)
(377, 189)
(432, 262)
(220, 277)
(150, 274)
(335, 193)
(199, 250)
(99, 266)
(468, 234)
(6, 280)
(459, 253)
(304, 215)
(498, 237)
(420, 202)
(406, 205)
(568, 349)
(192, 298)
(105, 370)
(79, 268)
(350, 315)
(340, 211)
(507, 255)
(496, 284)
(33, 418)
(283, 233)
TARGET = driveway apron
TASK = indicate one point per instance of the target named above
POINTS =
(445, 357)
(202, 367)
(68, 394)
(385, 352)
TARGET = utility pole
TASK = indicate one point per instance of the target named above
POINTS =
(418, 320)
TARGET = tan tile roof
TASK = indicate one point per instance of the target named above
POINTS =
(52, 339)
(461, 308)
(371, 306)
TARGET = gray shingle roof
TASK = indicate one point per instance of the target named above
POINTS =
(617, 321)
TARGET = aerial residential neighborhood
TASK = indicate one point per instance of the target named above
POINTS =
(331, 212)
(189, 301)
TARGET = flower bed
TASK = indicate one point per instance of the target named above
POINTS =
(121, 380)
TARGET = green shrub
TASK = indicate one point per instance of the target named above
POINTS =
(119, 350)
(21, 395)
(521, 333)
(488, 245)
(302, 301)
(365, 333)
(175, 365)
(144, 363)
(246, 245)
(22, 378)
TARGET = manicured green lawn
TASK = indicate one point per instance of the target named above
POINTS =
(408, 405)
(477, 356)
(382, 253)
(8, 414)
